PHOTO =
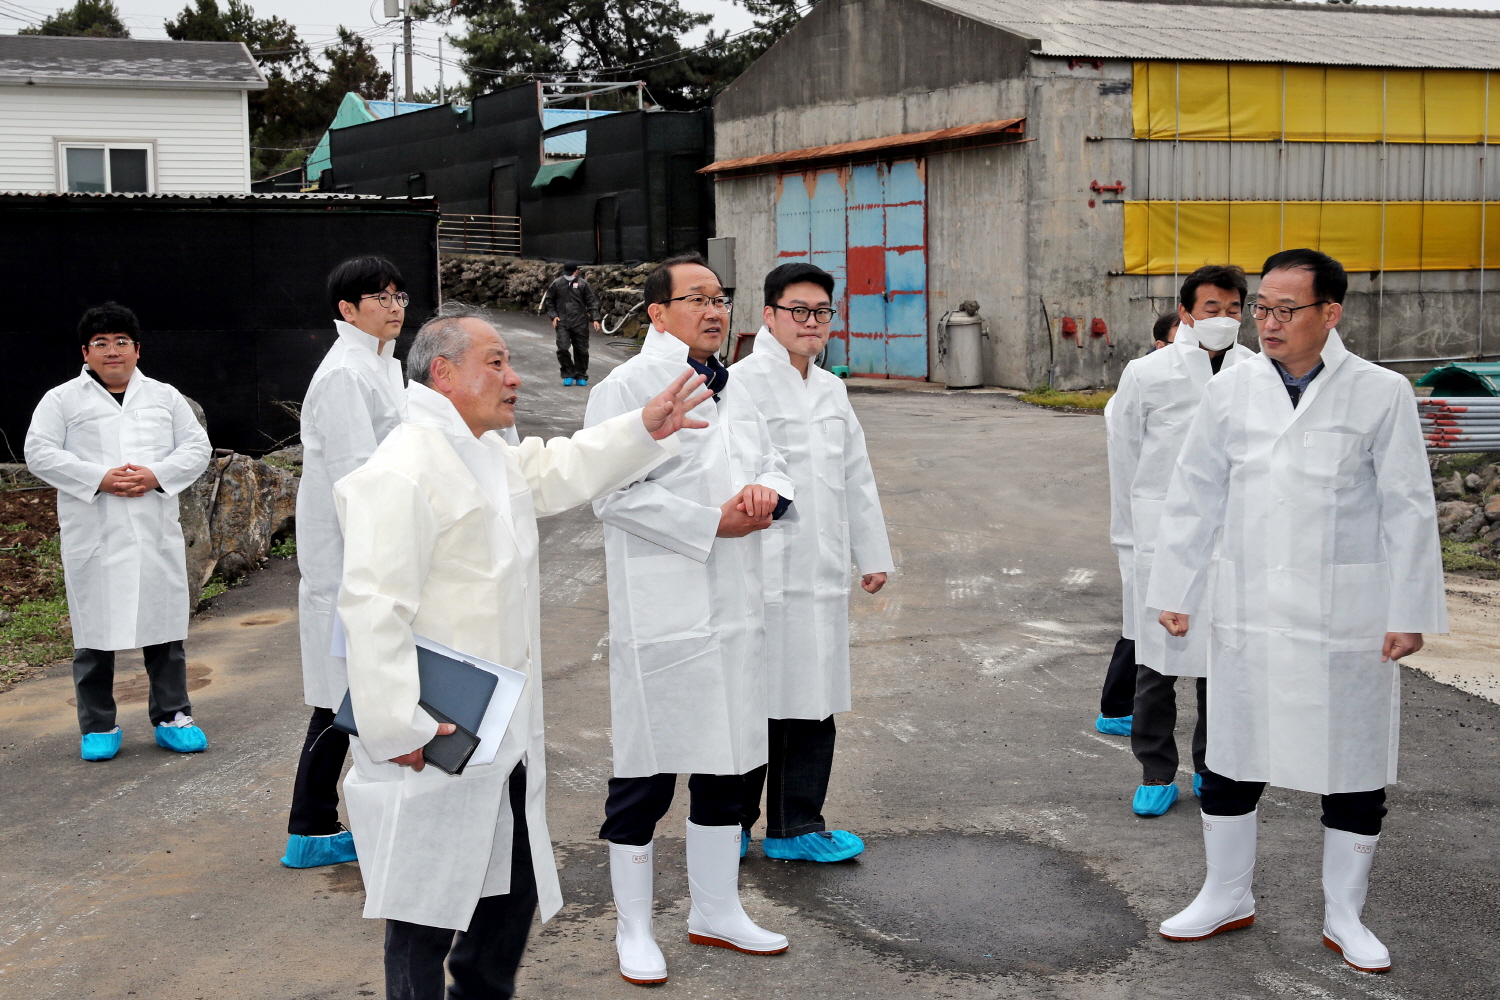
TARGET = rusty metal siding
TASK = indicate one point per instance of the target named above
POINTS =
(1312, 171)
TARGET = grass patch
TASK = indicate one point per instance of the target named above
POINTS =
(1045, 395)
(215, 586)
(1461, 556)
(36, 632)
(285, 548)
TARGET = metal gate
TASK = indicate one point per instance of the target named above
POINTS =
(867, 226)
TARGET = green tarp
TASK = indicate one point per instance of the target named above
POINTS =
(1464, 378)
(556, 171)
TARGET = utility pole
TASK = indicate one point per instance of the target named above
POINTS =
(395, 80)
(406, 35)
(442, 98)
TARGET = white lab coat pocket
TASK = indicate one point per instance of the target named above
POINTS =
(1326, 456)
(668, 597)
(1358, 604)
(1228, 606)
(1145, 521)
(146, 435)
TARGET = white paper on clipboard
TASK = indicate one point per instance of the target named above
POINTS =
(502, 703)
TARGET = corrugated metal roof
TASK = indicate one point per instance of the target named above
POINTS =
(890, 144)
(1230, 31)
(127, 62)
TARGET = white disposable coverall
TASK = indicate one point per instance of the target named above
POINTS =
(1145, 423)
(1328, 540)
(686, 629)
(806, 563)
(354, 400)
(124, 561)
(441, 541)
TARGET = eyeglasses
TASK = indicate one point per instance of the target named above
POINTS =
(386, 299)
(824, 314)
(103, 344)
(1283, 314)
(700, 303)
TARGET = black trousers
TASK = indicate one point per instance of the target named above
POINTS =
(483, 959)
(636, 805)
(1352, 812)
(1117, 700)
(315, 794)
(573, 350)
(94, 685)
(1153, 737)
(795, 778)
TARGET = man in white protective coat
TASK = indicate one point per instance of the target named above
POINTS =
(1307, 464)
(354, 400)
(1146, 422)
(119, 447)
(440, 541)
(806, 562)
(686, 632)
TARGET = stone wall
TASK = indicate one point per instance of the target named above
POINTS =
(517, 284)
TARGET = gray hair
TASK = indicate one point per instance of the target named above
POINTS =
(442, 336)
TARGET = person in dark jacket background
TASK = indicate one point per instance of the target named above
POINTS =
(573, 308)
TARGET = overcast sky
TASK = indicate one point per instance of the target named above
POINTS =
(317, 22)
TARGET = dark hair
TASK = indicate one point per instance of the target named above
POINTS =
(790, 274)
(1163, 326)
(1329, 280)
(360, 276)
(1218, 275)
(658, 287)
(570, 268)
(108, 318)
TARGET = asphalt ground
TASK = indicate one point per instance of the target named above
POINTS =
(1003, 858)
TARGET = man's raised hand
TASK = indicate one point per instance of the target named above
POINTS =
(668, 412)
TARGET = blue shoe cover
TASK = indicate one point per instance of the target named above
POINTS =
(100, 746)
(581, 381)
(1153, 800)
(1113, 727)
(824, 845)
(183, 739)
(567, 381)
(744, 842)
(314, 852)
(1198, 785)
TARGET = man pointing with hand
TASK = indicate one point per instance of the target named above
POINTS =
(686, 624)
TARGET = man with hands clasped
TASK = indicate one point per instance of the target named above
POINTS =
(686, 629)
(806, 562)
(1307, 465)
(119, 447)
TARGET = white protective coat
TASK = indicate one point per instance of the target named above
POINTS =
(355, 399)
(441, 541)
(1146, 422)
(686, 628)
(1327, 541)
(806, 563)
(124, 561)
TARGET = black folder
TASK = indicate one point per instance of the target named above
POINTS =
(453, 691)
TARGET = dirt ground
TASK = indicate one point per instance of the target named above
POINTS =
(28, 517)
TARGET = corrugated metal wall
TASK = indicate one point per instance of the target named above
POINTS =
(1301, 171)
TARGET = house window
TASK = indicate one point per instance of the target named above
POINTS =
(106, 167)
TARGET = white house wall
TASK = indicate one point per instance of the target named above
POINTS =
(199, 135)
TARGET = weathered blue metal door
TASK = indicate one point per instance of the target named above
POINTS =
(867, 226)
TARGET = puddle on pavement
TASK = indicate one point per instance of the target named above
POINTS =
(970, 903)
(138, 686)
(343, 878)
(267, 618)
(964, 902)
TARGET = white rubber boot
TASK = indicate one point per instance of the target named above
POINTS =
(631, 872)
(1347, 858)
(1224, 903)
(717, 918)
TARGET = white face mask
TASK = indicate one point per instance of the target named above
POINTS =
(1216, 333)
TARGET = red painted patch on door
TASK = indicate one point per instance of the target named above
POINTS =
(866, 270)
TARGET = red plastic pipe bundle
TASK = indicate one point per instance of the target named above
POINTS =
(1460, 423)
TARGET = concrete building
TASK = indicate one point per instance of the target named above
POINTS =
(125, 115)
(1065, 162)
